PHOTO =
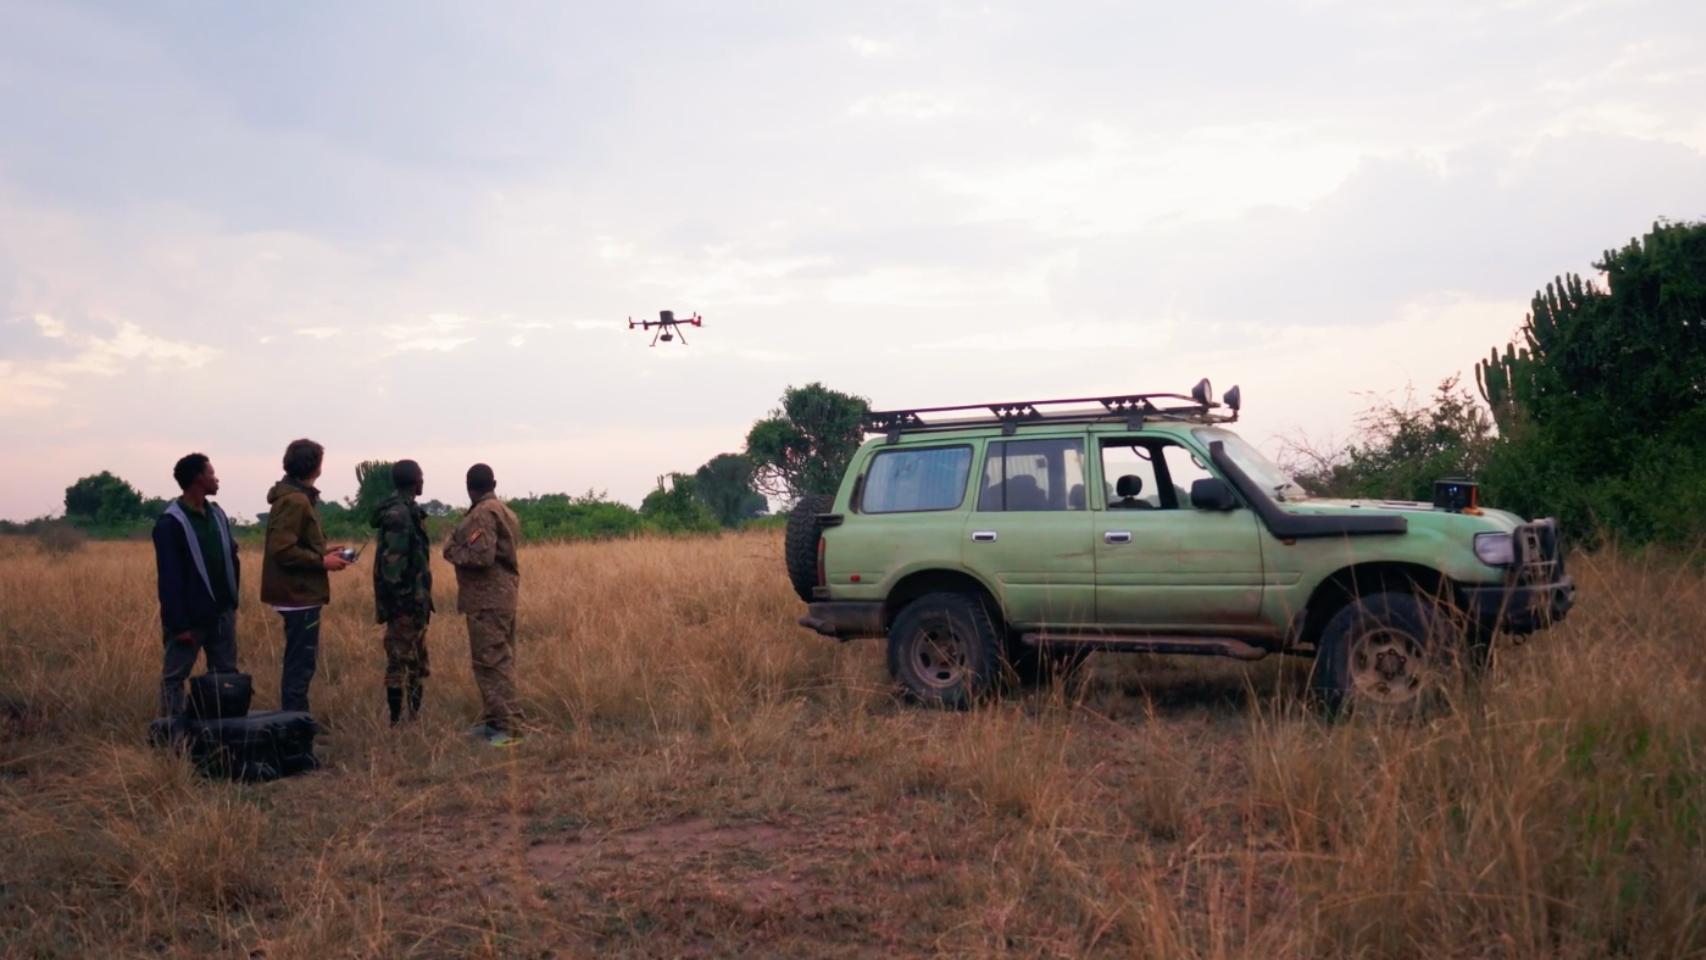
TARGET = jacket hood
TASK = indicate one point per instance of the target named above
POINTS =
(287, 486)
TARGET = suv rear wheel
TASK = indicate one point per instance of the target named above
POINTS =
(1391, 652)
(945, 651)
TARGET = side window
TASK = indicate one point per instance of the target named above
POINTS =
(1184, 468)
(912, 481)
(1128, 476)
(1033, 475)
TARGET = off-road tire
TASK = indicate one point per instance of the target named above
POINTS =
(945, 651)
(800, 546)
(1392, 653)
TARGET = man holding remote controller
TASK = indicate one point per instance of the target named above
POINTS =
(295, 568)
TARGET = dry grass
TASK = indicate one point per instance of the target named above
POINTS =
(710, 780)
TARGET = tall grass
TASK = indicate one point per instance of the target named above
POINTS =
(1159, 807)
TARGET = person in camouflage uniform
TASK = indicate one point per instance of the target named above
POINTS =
(402, 588)
(483, 550)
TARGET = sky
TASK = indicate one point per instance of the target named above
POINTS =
(416, 229)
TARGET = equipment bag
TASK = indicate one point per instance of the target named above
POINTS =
(219, 696)
(255, 748)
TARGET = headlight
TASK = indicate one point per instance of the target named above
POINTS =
(1495, 549)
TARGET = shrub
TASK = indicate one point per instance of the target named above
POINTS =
(60, 539)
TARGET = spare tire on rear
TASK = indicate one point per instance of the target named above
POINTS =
(800, 549)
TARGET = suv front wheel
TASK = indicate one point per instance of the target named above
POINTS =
(1392, 652)
(945, 651)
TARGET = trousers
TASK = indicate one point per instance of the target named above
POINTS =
(406, 651)
(218, 640)
(301, 656)
(491, 642)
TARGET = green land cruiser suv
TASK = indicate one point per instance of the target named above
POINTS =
(1000, 542)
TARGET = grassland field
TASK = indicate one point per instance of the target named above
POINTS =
(707, 779)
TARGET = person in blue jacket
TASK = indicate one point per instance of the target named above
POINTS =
(195, 558)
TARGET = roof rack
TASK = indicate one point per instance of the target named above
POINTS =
(1132, 408)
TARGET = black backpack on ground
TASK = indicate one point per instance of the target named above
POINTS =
(219, 696)
(255, 748)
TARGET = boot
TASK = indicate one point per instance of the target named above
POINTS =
(415, 691)
(394, 700)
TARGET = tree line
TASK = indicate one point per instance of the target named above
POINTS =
(800, 447)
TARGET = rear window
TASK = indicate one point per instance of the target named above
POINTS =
(1033, 475)
(912, 481)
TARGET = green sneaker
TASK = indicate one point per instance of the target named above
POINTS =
(484, 731)
(501, 738)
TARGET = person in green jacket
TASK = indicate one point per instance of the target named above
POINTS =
(295, 568)
(402, 588)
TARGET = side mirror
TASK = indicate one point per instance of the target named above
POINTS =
(1212, 493)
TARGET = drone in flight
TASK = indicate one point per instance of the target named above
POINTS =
(668, 326)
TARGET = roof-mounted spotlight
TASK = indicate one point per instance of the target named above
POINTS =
(1202, 391)
(1233, 398)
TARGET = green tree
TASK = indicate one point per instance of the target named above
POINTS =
(1601, 403)
(372, 484)
(1632, 355)
(591, 516)
(724, 484)
(804, 445)
(1403, 449)
(103, 499)
(674, 507)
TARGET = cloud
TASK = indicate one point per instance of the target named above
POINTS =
(23, 389)
(609, 248)
(904, 105)
(1110, 177)
(43, 383)
(129, 344)
(1491, 222)
(1160, 335)
(432, 344)
(871, 48)
(438, 333)
(318, 333)
(49, 327)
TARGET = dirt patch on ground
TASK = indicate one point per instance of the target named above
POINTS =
(752, 862)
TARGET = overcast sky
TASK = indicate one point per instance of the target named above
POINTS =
(414, 229)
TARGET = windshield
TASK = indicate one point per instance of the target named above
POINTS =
(1263, 471)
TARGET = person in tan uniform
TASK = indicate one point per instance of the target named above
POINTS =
(482, 549)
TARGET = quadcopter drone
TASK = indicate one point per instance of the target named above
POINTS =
(668, 326)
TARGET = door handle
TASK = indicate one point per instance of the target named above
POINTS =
(1117, 536)
(983, 536)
